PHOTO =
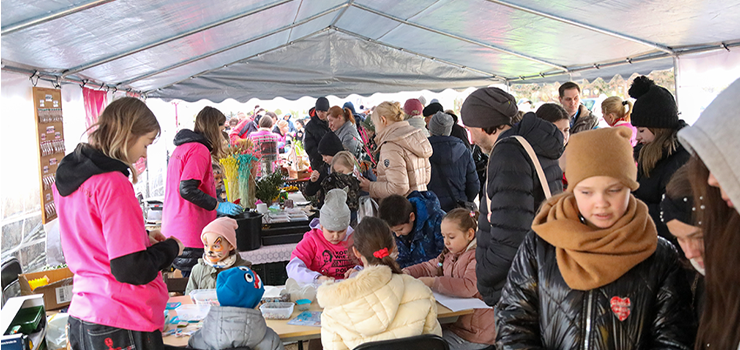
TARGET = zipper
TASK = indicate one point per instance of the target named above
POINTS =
(587, 335)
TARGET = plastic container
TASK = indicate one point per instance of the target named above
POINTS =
(192, 312)
(204, 297)
(277, 311)
(29, 318)
(303, 304)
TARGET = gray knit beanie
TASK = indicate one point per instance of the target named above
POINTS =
(440, 124)
(488, 107)
(335, 214)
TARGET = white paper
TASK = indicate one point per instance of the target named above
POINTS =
(458, 304)
(272, 291)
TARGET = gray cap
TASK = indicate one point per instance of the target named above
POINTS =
(440, 124)
(335, 214)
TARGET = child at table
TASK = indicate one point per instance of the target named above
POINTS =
(453, 273)
(343, 169)
(415, 220)
(378, 303)
(236, 323)
(219, 244)
(322, 253)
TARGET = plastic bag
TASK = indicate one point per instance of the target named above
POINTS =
(56, 331)
(367, 207)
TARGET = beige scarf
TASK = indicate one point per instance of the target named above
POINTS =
(589, 258)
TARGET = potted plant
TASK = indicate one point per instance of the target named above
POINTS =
(268, 187)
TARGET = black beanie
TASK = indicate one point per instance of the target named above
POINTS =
(330, 144)
(654, 107)
(432, 109)
(322, 104)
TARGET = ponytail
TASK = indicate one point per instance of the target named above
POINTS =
(390, 110)
(348, 115)
(465, 220)
(374, 240)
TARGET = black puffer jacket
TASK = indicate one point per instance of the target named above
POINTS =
(539, 311)
(453, 172)
(516, 194)
(315, 131)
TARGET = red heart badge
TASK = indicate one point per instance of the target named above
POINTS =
(621, 307)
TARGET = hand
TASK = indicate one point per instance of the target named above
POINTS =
(349, 273)
(315, 176)
(364, 184)
(325, 279)
(226, 208)
(180, 247)
(428, 281)
(156, 236)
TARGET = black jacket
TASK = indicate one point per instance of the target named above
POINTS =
(516, 194)
(462, 134)
(652, 188)
(539, 311)
(453, 171)
(315, 131)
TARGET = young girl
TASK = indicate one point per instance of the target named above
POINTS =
(655, 116)
(616, 112)
(714, 172)
(593, 274)
(322, 253)
(379, 302)
(219, 244)
(118, 295)
(342, 176)
(453, 273)
(190, 192)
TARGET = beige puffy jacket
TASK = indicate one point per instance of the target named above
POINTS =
(375, 305)
(403, 164)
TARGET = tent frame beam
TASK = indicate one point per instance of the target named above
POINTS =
(40, 20)
(457, 37)
(339, 16)
(655, 46)
(56, 79)
(233, 46)
(87, 66)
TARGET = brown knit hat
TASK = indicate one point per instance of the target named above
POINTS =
(601, 152)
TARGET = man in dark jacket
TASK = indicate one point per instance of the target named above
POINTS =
(513, 192)
(453, 171)
(316, 128)
(581, 119)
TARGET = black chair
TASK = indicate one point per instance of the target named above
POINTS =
(420, 342)
(9, 272)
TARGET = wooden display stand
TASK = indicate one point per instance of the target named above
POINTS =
(50, 137)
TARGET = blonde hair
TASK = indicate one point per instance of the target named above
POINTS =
(664, 144)
(344, 158)
(615, 105)
(207, 123)
(122, 122)
(390, 110)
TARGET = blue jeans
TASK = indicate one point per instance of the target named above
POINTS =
(85, 335)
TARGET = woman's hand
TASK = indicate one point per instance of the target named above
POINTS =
(315, 176)
(428, 281)
(325, 279)
(180, 246)
(156, 236)
(364, 184)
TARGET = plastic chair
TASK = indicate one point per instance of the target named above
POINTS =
(9, 272)
(420, 342)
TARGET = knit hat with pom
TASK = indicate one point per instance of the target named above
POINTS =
(654, 107)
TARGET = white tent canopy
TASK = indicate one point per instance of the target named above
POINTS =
(193, 49)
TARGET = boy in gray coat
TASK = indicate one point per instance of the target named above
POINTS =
(236, 323)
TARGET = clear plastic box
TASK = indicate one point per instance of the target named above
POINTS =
(204, 296)
(192, 312)
(303, 304)
(277, 311)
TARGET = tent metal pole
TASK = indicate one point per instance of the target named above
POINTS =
(348, 5)
(52, 78)
(584, 26)
(239, 60)
(40, 20)
(675, 81)
(474, 42)
(484, 73)
(76, 70)
(241, 43)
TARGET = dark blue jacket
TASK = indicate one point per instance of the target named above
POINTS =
(425, 242)
(453, 168)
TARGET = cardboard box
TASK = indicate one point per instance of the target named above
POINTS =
(57, 294)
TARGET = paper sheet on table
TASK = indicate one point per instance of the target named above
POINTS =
(272, 291)
(458, 304)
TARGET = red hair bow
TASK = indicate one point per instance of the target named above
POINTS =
(380, 254)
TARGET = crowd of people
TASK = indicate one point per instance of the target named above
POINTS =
(623, 237)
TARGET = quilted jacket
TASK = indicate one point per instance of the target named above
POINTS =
(235, 327)
(649, 307)
(375, 305)
(425, 242)
(403, 162)
(516, 194)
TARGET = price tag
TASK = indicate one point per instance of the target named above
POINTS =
(41, 103)
(43, 137)
(56, 104)
(46, 169)
(57, 135)
(48, 98)
(52, 161)
(50, 129)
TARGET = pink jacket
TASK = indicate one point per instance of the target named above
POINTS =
(320, 255)
(459, 280)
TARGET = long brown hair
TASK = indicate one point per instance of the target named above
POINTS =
(465, 220)
(122, 122)
(720, 321)
(372, 235)
(346, 114)
(664, 144)
(208, 123)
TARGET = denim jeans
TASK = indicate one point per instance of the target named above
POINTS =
(85, 335)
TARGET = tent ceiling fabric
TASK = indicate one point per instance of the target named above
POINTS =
(193, 49)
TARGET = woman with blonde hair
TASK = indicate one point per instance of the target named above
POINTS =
(404, 151)
(617, 112)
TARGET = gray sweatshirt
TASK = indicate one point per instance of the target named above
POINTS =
(235, 327)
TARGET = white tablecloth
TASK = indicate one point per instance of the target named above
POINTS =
(269, 253)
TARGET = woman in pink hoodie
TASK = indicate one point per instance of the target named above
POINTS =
(119, 296)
